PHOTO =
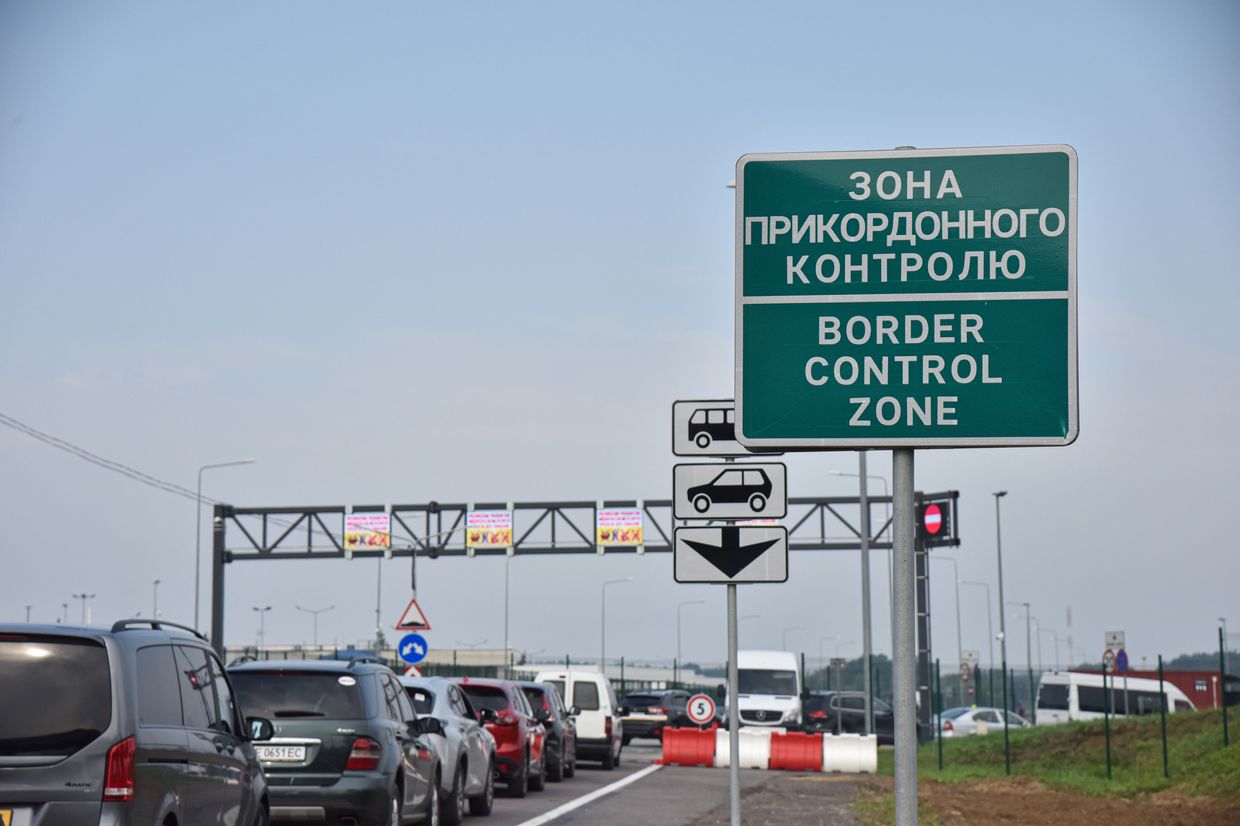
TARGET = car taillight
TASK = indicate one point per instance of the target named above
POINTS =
(947, 726)
(660, 710)
(507, 718)
(607, 727)
(817, 715)
(364, 756)
(118, 779)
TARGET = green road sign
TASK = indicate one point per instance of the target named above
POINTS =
(908, 298)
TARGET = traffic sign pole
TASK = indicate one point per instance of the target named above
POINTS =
(734, 714)
(904, 689)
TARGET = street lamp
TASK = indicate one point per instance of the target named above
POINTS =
(602, 660)
(990, 634)
(83, 598)
(28, 607)
(65, 606)
(198, 528)
(314, 612)
(1054, 634)
(676, 665)
(959, 645)
(1007, 754)
(262, 616)
(783, 638)
(155, 602)
(1028, 645)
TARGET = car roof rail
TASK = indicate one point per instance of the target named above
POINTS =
(158, 625)
(244, 658)
(355, 660)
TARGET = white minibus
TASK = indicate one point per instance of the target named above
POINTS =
(1079, 695)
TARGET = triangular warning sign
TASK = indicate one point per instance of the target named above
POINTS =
(413, 619)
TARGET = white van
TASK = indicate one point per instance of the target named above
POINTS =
(1077, 695)
(600, 732)
(769, 689)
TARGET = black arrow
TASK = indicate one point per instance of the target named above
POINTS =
(730, 557)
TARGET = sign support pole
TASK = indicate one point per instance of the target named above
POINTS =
(904, 690)
(866, 641)
(734, 722)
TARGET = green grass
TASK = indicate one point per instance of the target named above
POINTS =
(1073, 757)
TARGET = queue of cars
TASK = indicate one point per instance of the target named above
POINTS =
(149, 727)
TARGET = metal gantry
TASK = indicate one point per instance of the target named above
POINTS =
(432, 530)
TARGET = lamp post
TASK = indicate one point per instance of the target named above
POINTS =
(28, 607)
(1226, 642)
(155, 602)
(262, 626)
(990, 635)
(1054, 634)
(676, 665)
(602, 658)
(83, 598)
(314, 612)
(1028, 645)
(783, 636)
(198, 529)
(1007, 754)
(959, 644)
(65, 606)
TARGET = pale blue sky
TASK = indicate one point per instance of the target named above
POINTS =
(401, 251)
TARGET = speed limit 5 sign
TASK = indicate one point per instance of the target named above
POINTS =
(701, 709)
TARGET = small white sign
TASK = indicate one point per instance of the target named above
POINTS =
(1115, 639)
(730, 491)
(731, 554)
(707, 428)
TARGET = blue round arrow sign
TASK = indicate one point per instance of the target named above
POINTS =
(1121, 661)
(413, 648)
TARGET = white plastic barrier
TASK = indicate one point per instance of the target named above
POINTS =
(848, 753)
(755, 748)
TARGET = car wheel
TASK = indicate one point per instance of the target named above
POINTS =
(539, 781)
(609, 760)
(570, 766)
(703, 440)
(619, 752)
(452, 810)
(701, 503)
(555, 765)
(519, 786)
(262, 818)
(393, 817)
(432, 803)
(757, 502)
(480, 806)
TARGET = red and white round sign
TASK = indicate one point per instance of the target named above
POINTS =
(932, 519)
(701, 709)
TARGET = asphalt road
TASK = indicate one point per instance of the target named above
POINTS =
(666, 796)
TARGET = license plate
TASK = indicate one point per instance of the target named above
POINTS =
(280, 754)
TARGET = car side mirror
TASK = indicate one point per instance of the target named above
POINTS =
(428, 725)
(260, 728)
(487, 715)
(542, 715)
(574, 711)
(622, 711)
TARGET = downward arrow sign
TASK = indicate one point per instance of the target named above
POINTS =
(730, 556)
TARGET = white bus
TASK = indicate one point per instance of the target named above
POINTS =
(1076, 695)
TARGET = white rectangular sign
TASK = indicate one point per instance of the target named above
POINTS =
(730, 491)
(707, 428)
(731, 554)
(1115, 640)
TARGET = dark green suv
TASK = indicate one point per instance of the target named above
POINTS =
(348, 747)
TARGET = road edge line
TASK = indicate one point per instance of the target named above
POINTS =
(571, 805)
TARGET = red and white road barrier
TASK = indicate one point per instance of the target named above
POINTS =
(772, 749)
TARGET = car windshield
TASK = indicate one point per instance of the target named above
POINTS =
(57, 694)
(284, 694)
(953, 713)
(767, 681)
(815, 702)
(537, 699)
(485, 696)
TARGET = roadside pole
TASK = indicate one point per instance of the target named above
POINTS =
(1222, 677)
(865, 595)
(734, 723)
(1162, 714)
(904, 677)
(1106, 715)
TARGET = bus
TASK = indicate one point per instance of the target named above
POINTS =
(1079, 695)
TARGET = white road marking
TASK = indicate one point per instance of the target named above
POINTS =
(560, 811)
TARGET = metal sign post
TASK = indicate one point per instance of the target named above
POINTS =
(734, 715)
(904, 690)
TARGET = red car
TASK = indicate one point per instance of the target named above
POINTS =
(520, 739)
